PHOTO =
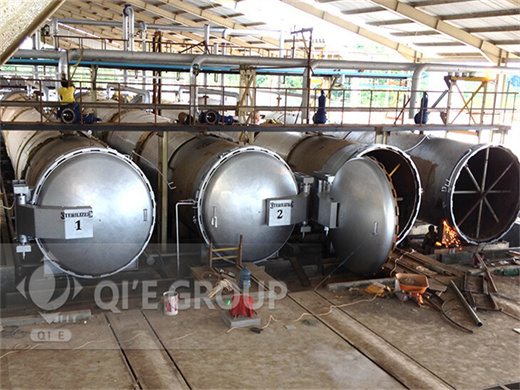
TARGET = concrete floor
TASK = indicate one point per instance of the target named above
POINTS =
(374, 343)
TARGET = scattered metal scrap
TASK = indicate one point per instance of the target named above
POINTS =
(438, 303)
(477, 289)
(420, 264)
(465, 303)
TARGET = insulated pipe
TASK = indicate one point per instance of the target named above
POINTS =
(131, 25)
(216, 60)
(194, 72)
(147, 96)
(228, 184)
(90, 22)
(62, 70)
(144, 30)
(55, 32)
(475, 188)
(416, 80)
(125, 30)
(367, 216)
(71, 171)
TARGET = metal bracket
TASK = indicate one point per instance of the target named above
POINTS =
(325, 210)
(65, 223)
(54, 222)
(293, 209)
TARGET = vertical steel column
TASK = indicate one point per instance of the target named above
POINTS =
(163, 186)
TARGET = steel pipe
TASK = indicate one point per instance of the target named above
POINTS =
(236, 61)
(475, 188)
(465, 303)
(70, 170)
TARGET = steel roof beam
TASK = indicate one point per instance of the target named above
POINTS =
(493, 53)
(83, 8)
(405, 51)
(492, 29)
(415, 33)
(441, 44)
(390, 22)
(167, 15)
(420, 4)
(363, 11)
(480, 15)
(211, 17)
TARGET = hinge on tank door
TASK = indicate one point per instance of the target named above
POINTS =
(54, 222)
(214, 219)
(325, 210)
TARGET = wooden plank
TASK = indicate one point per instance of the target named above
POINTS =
(425, 260)
(390, 359)
(147, 358)
(260, 274)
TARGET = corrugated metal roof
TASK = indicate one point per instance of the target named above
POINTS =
(425, 29)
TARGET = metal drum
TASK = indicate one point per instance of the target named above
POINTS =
(72, 170)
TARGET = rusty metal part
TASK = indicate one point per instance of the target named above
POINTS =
(431, 264)
(465, 303)
(478, 289)
(489, 277)
(452, 321)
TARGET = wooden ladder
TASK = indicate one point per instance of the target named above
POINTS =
(237, 256)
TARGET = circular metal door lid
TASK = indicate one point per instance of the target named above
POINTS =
(367, 216)
(482, 195)
(123, 210)
(232, 201)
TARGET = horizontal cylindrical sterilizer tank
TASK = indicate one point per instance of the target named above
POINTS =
(228, 184)
(334, 152)
(475, 188)
(71, 170)
(367, 216)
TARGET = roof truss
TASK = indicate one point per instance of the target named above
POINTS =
(493, 53)
(405, 51)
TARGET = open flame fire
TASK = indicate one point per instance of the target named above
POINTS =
(450, 238)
